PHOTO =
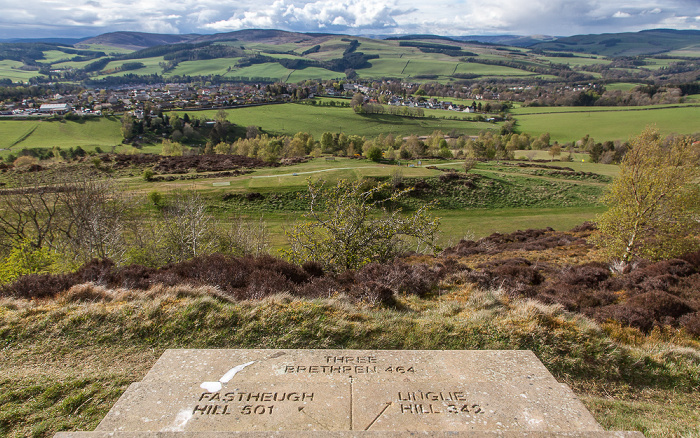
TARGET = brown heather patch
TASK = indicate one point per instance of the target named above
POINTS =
(549, 266)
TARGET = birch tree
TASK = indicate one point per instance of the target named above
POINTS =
(654, 204)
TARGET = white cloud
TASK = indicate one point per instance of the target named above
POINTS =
(620, 14)
(317, 15)
(445, 17)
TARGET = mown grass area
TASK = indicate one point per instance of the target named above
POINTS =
(503, 198)
(565, 124)
(288, 119)
(66, 361)
(495, 198)
(16, 135)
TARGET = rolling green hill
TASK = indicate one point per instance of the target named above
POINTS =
(292, 57)
(646, 42)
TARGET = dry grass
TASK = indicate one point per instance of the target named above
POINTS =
(66, 360)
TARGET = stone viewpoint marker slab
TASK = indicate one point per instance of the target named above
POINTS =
(347, 393)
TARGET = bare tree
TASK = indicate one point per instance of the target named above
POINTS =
(29, 211)
(188, 229)
(241, 236)
(95, 213)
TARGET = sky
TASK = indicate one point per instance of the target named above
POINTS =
(81, 18)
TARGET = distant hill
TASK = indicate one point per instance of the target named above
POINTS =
(66, 41)
(269, 36)
(269, 55)
(646, 42)
(507, 40)
(137, 40)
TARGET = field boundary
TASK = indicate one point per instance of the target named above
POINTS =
(24, 136)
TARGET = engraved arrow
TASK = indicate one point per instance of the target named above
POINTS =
(301, 409)
(378, 415)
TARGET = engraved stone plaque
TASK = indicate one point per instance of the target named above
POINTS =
(343, 393)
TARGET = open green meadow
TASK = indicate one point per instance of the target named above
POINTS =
(219, 66)
(151, 66)
(570, 124)
(75, 64)
(52, 56)
(11, 70)
(314, 73)
(690, 51)
(109, 50)
(272, 70)
(16, 135)
(576, 61)
(509, 199)
(622, 86)
(292, 118)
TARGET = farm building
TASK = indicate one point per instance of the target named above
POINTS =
(55, 108)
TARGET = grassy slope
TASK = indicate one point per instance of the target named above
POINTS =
(11, 70)
(66, 362)
(151, 66)
(570, 124)
(103, 132)
(506, 200)
(293, 118)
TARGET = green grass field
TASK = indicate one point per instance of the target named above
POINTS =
(102, 132)
(270, 70)
(11, 70)
(576, 61)
(218, 66)
(570, 124)
(75, 64)
(151, 67)
(292, 118)
(52, 56)
(622, 86)
(109, 50)
(314, 73)
(690, 51)
(455, 222)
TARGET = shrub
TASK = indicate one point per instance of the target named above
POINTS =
(25, 259)
(26, 161)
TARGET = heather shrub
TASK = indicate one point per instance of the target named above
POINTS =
(373, 293)
(400, 277)
(587, 275)
(515, 276)
(691, 323)
(320, 287)
(313, 268)
(96, 271)
(288, 270)
(38, 286)
(660, 305)
(262, 284)
(693, 258)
